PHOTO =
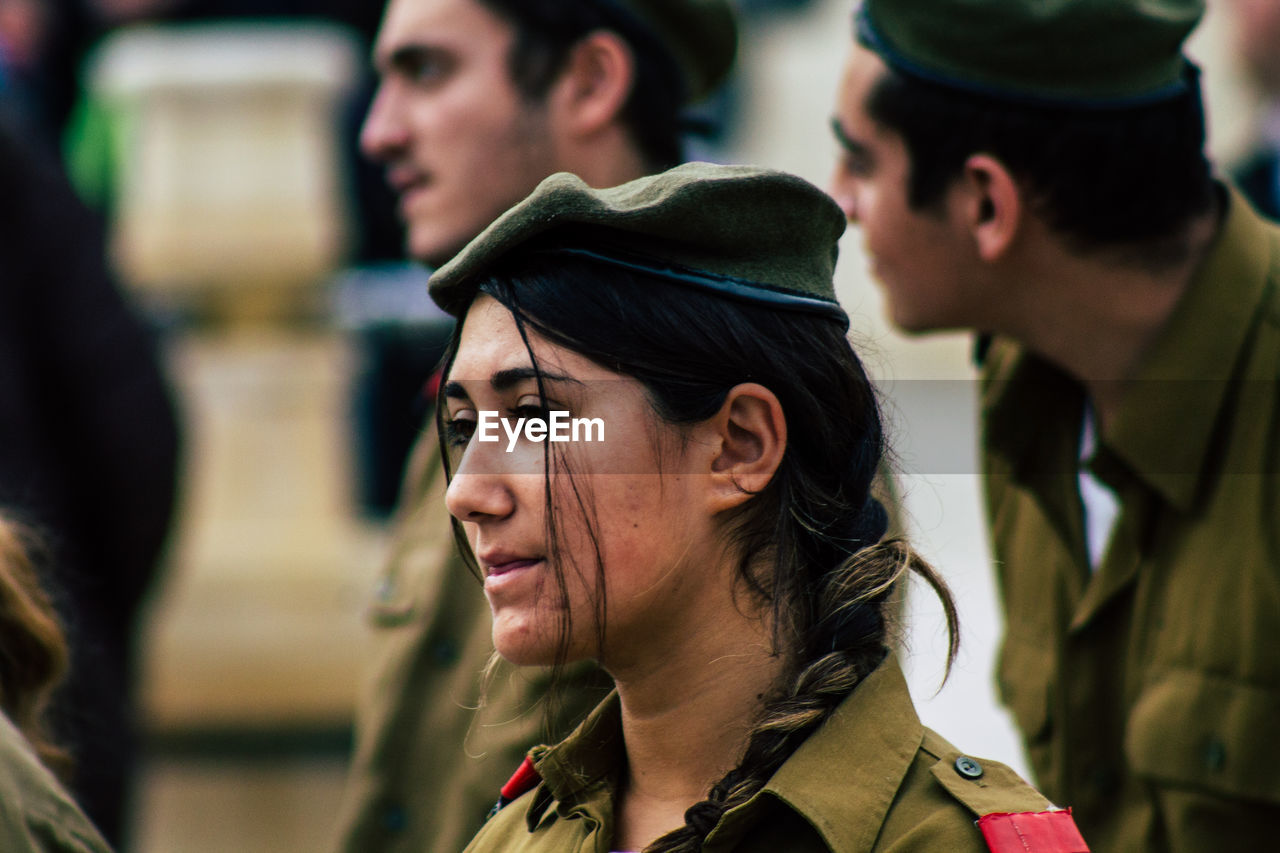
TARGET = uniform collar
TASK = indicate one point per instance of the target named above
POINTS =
(1166, 421)
(1164, 426)
(581, 771)
(861, 754)
(1031, 420)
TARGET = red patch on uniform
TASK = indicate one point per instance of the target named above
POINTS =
(1032, 832)
(524, 779)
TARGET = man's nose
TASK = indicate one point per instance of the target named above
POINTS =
(384, 131)
(843, 188)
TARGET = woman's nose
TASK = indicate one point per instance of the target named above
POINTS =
(479, 489)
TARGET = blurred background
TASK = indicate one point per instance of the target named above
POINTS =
(216, 143)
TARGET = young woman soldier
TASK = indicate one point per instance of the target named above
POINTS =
(709, 536)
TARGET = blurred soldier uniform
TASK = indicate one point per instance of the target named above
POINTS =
(1145, 689)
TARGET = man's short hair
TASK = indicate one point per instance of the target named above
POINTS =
(1129, 178)
(546, 32)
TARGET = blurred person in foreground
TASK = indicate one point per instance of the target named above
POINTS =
(1257, 43)
(37, 815)
(1035, 172)
(88, 459)
(479, 101)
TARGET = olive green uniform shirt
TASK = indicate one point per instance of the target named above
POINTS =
(870, 779)
(1147, 688)
(427, 766)
(37, 815)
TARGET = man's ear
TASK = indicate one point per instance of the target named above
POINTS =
(993, 206)
(750, 434)
(594, 87)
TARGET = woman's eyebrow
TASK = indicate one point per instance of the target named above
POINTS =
(504, 380)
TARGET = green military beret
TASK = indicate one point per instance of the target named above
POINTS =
(742, 232)
(1090, 53)
(702, 36)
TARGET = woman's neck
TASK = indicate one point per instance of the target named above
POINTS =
(686, 717)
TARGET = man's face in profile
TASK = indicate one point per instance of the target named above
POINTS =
(459, 141)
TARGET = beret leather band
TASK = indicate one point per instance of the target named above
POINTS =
(722, 285)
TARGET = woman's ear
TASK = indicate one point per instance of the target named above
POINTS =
(750, 432)
(993, 206)
(594, 87)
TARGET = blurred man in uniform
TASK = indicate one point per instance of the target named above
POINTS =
(1035, 172)
(479, 101)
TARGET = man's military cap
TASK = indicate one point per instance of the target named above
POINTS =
(741, 232)
(1089, 53)
(701, 35)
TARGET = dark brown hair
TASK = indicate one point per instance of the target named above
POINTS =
(1104, 179)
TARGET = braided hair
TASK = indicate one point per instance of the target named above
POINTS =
(809, 544)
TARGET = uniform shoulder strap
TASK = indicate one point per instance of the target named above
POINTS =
(1012, 816)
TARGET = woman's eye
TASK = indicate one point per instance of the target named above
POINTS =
(532, 411)
(458, 431)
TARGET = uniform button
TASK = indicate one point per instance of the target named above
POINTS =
(1215, 755)
(394, 818)
(968, 768)
(444, 652)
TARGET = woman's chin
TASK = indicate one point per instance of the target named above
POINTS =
(522, 646)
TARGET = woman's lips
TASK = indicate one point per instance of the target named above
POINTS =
(508, 578)
(510, 566)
